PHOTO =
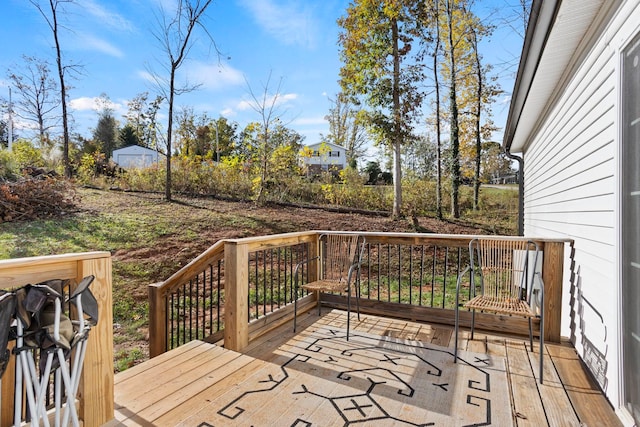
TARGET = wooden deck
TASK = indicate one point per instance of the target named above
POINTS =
(169, 389)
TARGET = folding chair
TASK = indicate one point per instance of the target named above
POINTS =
(340, 259)
(41, 324)
(507, 275)
(37, 304)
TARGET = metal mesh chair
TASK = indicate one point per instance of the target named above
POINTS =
(504, 279)
(340, 259)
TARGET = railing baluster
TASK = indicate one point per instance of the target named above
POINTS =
(271, 279)
(410, 272)
(279, 277)
(421, 274)
(368, 270)
(444, 274)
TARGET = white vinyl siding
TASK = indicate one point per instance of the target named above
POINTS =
(571, 189)
(325, 155)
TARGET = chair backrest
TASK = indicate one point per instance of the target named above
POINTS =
(339, 253)
(506, 267)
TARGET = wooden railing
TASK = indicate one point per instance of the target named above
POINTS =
(194, 302)
(95, 392)
(403, 275)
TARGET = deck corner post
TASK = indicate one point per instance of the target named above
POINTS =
(236, 313)
(96, 391)
(157, 321)
(552, 274)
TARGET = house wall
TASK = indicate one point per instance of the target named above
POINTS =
(325, 158)
(571, 191)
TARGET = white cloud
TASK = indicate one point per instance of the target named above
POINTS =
(107, 17)
(214, 76)
(228, 112)
(92, 43)
(310, 121)
(282, 99)
(287, 21)
(86, 103)
(146, 75)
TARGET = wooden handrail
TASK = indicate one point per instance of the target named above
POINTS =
(96, 384)
(212, 254)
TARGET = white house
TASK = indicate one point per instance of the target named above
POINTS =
(135, 156)
(325, 157)
(575, 121)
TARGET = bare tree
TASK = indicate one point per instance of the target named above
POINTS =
(268, 107)
(50, 15)
(347, 127)
(37, 102)
(174, 34)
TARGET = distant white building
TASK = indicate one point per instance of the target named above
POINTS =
(135, 156)
(325, 157)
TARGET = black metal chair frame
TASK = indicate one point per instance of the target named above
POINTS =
(340, 260)
(516, 303)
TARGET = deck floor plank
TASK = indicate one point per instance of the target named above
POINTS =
(162, 398)
(555, 400)
(168, 376)
(589, 403)
(188, 394)
(526, 399)
(216, 389)
(180, 386)
(196, 346)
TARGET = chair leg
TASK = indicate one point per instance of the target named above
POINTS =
(473, 322)
(318, 302)
(541, 348)
(530, 335)
(348, 312)
(455, 330)
(358, 298)
(295, 307)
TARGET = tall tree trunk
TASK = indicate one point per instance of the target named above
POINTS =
(476, 177)
(454, 131)
(63, 92)
(167, 190)
(397, 125)
(438, 137)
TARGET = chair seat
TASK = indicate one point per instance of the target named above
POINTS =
(326, 286)
(501, 305)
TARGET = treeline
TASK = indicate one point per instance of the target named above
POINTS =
(414, 84)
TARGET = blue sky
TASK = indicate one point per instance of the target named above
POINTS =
(293, 40)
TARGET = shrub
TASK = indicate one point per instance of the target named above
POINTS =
(8, 166)
(352, 192)
(25, 154)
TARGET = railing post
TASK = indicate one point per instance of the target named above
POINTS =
(552, 273)
(157, 321)
(96, 384)
(236, 310)
(314, 251)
